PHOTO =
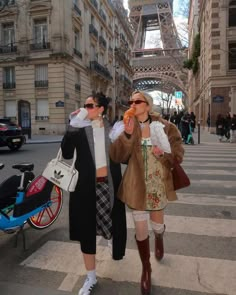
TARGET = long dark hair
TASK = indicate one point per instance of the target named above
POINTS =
(101, 99)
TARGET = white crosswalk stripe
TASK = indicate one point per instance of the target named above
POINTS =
(199, 273)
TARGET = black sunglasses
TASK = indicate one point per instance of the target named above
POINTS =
(90, 106)
(138, 101)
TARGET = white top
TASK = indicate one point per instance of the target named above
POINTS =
(99, 147)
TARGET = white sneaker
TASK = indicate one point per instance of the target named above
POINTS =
(87, 287)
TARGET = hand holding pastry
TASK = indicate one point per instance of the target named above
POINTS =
(129, 121)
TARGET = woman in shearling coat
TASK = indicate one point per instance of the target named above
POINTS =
(94, 208)
(149, 145)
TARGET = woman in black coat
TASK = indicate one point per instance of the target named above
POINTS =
(93, 207)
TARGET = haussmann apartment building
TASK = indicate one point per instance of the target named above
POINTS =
(54, 53)
(212, 86)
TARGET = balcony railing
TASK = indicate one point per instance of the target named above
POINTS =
(103, 15)
(41, 118)
(95, 66)
(42, 83)
(102, 41)
(77, 10)
(39, 46)
(9, 85)
(77, 87)
(93, 31)
(95, 4)
(78, 53)
(8, 49)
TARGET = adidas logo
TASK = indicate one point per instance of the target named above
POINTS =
(58, 175)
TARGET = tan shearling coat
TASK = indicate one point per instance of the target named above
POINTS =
(127, 149)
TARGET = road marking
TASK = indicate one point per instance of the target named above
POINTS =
(208, 159)
(207, 275)
(204, 164)
(210, 172)
(206, 200)
(211, 227)
(69, 282)
(214, 183)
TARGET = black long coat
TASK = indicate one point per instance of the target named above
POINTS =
(82, 205)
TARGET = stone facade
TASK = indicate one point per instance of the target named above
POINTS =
(212, 87)
(53, 54)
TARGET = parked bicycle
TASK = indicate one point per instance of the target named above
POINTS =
(26, 199)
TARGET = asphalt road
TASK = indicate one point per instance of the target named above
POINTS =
(200, 241)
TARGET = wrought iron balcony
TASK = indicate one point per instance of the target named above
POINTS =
(41, 83)
(39, 46)
(102, 14)
(95, 4)
(93, 31)
(9, 85)
(77, 10)
(8, 49)
(78, 53)
(41, 118)
(101, 70)
(102, 41)
(77, 87)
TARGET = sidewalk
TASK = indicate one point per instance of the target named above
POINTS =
(205, 138)
(43, 139)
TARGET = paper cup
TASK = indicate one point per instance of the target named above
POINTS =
(82, 114)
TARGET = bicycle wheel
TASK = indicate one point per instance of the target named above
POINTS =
(50, 213)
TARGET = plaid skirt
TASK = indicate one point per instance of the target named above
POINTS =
(103, 211)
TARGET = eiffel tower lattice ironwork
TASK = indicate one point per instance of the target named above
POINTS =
(158, 68)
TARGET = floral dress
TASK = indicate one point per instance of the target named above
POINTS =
(155, 188)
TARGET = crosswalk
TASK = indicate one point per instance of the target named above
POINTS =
(200, 239)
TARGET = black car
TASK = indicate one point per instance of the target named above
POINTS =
(11, 135)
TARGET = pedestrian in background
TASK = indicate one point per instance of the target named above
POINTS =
(174, 119)
(220, 126)
(93, 206)
(192, 121)
(227, 126)
(208, 121)
(149, 144)
(233, 129)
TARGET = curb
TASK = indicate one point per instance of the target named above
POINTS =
(42, 141)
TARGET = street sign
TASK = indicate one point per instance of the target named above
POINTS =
(178, 94)
(218, 98)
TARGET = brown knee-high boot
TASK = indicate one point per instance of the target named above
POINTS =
(159, 245)
(144, 253)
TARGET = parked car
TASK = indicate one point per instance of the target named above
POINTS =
(11, 135)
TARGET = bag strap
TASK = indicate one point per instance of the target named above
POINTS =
(59, 158)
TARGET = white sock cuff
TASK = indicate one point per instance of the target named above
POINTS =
(92, 274)
(158, 228)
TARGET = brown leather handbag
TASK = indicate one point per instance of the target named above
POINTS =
(180, 178)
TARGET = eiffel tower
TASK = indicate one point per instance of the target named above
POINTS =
(159, 68)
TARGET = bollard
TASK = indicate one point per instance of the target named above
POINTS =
(198, 127)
